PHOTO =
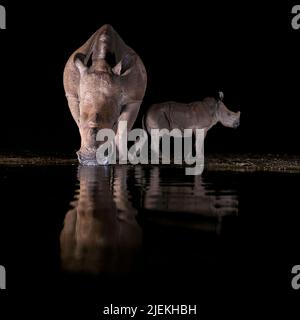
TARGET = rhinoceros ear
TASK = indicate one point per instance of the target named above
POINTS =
(124, 67)
(80, 65)
(221, 95)
(117, 69)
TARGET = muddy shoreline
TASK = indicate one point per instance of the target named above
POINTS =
(213, 162)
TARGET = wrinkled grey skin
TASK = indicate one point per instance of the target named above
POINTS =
(101, 93)
(196, 115)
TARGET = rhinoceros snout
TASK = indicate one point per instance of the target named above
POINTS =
(87, 159)
(90, 159)
(236, 123)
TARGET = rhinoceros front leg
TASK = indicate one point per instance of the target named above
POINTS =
(73, 103)
(198, 160)
(129, 114)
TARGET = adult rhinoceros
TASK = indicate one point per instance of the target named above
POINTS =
(105, 82)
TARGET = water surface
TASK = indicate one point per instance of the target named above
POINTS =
(131, 231)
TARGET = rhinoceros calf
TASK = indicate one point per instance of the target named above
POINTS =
(105, 82)
(196, 115)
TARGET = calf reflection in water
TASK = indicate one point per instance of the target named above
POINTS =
(193, 202)
(100, 232)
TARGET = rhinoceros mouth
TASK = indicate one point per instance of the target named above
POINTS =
(87, 157)
(90, 159)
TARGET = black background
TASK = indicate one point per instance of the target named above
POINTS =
(190, 50)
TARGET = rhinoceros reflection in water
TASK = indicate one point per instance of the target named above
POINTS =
(171, 198)
(100, 232)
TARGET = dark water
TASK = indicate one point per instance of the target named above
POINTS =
(133, 234)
